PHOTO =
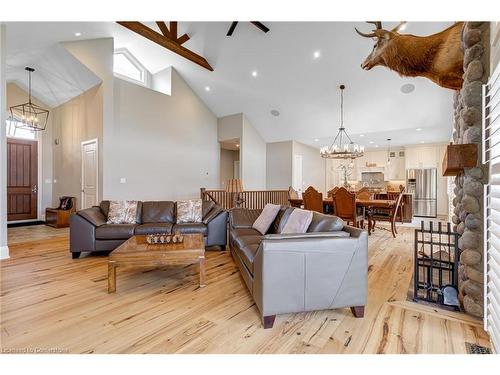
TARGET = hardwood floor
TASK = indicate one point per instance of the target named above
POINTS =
(51, 302)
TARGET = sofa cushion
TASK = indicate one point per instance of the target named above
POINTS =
(188, 228)
(247, 255)
(298, 222)
(114, 231)
(243, 217)
(104, 205)
(235, 233)
(122, 212)
(93, 215)
(242, 241)
(153, 228)
(189, 211)
(266, 218)
(325, 223)
(158, 212)
(280, 220)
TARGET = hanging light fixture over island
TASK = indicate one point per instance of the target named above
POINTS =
(342, 147)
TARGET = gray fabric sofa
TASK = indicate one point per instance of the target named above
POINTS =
(325, 268)
(89, 231)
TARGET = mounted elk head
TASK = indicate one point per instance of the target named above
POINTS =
(438, 57)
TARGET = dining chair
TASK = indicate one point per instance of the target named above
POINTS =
(364, 193)
(387, 214)
(332, 191)
(292, 193)
(313, 200)
(345, 207)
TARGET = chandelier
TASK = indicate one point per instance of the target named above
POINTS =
(342, 147)
(29, 115)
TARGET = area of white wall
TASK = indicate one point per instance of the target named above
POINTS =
(97, 55)
(279, 165)
(162, 81)
(73, 122)
(16, 95)
(253, 158)
(4, 249)
(227, 159)
(164, 147)
(230, 127)
(313, 166)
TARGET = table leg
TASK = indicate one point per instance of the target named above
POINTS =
(202, 271)
(111, 277)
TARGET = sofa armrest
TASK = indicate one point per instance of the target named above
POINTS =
(217, 230)
(81, 234)
(93, 215)
(306, 274)
(310, 236)
(243, 217)
(214, 211)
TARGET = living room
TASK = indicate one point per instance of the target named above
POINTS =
(249, 187)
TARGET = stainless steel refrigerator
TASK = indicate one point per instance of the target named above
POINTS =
(422, 183)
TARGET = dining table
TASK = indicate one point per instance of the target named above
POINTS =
(368, 204)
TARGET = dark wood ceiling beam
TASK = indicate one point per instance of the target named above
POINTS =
(163, 28)
(260, 26)
(173, 30)
(183, 39)
(166, 42)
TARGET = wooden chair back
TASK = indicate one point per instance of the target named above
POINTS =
(292, 193)
(364, 193)
(332, 191)
(398, 204)
(345, 204)
(313, 200)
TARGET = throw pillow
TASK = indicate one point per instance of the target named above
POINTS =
(189, 211)
(298, 221)
(266, 217)
(122, 212)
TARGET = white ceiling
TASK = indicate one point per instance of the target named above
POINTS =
(303, 89)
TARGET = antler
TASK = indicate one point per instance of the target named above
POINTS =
(398, 27)
(378, 25)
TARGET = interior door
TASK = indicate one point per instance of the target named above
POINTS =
(297, 173)
(22, 179)
(89, 173)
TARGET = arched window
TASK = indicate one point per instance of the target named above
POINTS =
(126, 66)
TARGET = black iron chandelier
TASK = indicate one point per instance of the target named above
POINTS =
(29, 115)
(342, 147)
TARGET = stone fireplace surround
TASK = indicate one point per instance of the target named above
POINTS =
(468, 205)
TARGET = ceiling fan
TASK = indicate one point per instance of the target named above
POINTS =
(257, 24)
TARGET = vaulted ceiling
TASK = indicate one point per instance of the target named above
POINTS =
(289, 78)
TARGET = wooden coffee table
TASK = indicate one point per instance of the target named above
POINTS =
(136, 252)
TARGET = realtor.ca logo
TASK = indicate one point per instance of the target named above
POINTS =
(34, 350)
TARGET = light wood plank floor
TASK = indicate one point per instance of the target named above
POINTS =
(49, 301)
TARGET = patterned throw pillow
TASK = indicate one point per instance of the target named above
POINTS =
(122, 212)
(189, 211)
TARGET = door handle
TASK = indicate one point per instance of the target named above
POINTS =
(34, 189)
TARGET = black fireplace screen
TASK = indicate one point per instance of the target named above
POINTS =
(436, 257)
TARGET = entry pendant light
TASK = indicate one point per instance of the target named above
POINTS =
(342, 147)
(29, 115)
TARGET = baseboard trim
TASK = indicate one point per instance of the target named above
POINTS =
(4, 252)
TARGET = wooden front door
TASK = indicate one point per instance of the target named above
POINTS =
(22, 179)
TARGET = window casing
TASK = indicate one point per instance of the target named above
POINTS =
(127, 67)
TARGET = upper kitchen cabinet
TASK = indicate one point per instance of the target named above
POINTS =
(424, 156)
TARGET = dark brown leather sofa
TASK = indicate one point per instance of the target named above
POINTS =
(325, 268)
(89, 231)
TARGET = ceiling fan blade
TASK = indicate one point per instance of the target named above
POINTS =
(260, 26)
(231, 28)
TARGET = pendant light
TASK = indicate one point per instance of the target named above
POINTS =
(342, 147)
(29, 115)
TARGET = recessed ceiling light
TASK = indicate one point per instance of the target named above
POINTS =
(275, 112)
(361, 135)
(371, 142)
(78, 34)
(207, 88)
(317, 54)
(254, 73)
(316, 140)
(407, 88)
(418, 129)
